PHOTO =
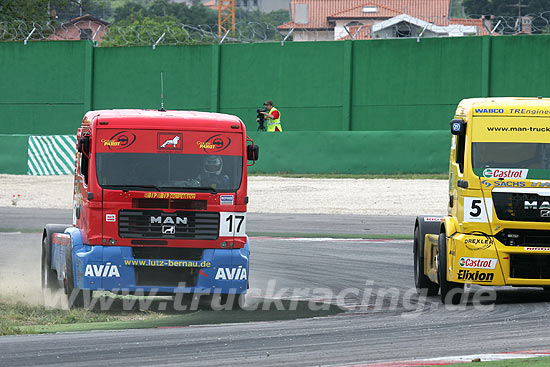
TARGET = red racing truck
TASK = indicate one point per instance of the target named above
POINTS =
(159, 207)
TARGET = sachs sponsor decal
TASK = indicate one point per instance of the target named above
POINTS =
(477, 263)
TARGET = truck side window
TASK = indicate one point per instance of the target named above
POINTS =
(84, 149)
(460, 145)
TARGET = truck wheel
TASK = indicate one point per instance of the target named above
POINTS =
(451, 292)
(75, 296)
(49, 282)
(421, 281)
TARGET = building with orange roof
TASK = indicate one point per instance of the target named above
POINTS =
(86, 27)
(316, 20)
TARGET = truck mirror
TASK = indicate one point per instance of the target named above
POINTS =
(252, 152)
(458, 127)
(84, 145)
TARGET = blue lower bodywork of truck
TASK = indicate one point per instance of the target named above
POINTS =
(113, 268)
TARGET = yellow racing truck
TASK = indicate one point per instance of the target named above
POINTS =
(497, 230)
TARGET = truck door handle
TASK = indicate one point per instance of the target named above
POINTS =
(462, 183)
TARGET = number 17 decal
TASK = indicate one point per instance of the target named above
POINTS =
(474, 209)
(232, 224)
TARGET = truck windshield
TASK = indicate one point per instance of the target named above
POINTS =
(534, 158)
(169, 172)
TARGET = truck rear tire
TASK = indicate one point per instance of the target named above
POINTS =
(76, 297)
(421, 281)
(450, 292)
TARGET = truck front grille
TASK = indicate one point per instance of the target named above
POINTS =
(159, 224)
(524, 237)
(530, 266)
(512, 206)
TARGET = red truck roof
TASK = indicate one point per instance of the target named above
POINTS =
(154, 119)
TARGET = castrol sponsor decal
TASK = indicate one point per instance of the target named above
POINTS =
(477, 263)
(505, 173)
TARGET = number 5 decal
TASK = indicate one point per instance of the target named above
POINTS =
(474, 210)
(232, 224)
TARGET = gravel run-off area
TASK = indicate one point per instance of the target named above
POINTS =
(270, 194)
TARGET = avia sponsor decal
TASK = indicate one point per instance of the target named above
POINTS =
(104, 270)
(168, 263)
(226, 199)
(477, 263)
(505, 173)
(215, 143)
(540, 184)
(537, 249)
(169, 195)
(120, 140)
(110, 217)
(489, 110)
(477, 243)
(477, 276)
(170, 141)
(433, 219)
(231, 274)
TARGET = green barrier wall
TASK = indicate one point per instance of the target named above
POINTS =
(13, 154)
(380, 86)
(353, 152)
(44, 86)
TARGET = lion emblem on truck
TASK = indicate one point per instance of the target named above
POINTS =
(173, 142)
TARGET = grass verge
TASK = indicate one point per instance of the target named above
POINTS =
(23, 319)
(529, 362)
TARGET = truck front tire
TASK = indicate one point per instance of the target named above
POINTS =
(450, 292)
(49, 280)
(421, 281)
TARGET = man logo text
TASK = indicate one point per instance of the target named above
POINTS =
(168, 220)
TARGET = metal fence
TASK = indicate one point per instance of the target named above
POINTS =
(246, 32)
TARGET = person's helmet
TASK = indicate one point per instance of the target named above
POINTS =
(213, 164)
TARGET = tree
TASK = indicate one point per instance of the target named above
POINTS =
(28, 10)
(145, 31)
(196, 14)
(505, 7)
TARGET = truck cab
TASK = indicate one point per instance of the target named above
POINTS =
(159, 206)
(497, 230)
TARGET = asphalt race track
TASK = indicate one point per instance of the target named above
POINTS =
(371, 280)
